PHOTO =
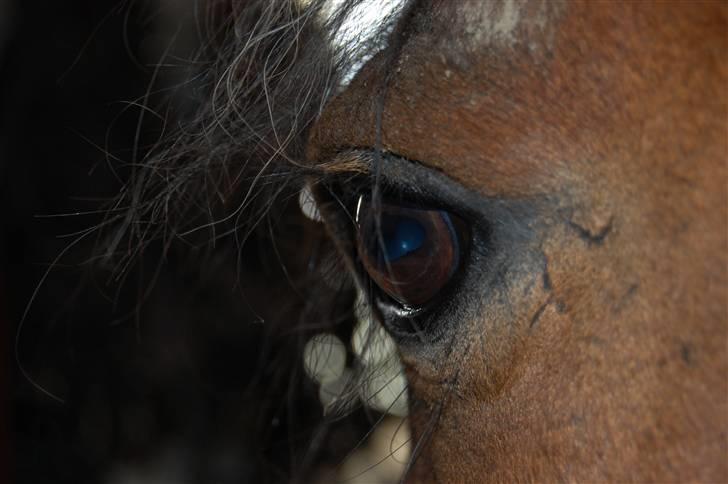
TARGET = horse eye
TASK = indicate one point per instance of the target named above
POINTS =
(410, 253)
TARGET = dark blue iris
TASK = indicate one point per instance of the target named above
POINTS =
(404, 236)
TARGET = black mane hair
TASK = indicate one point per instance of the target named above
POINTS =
(222, 184)
(263, 75)
(174, 311)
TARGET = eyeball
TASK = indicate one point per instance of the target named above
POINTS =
(411, 253)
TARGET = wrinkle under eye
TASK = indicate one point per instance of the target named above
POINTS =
(410, 253)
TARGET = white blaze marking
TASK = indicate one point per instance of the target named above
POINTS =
(361, 26)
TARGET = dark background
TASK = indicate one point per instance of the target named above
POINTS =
(181, 388)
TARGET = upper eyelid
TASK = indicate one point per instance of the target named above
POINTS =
(414, 182)
(359, 162)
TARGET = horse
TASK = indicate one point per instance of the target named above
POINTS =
(582, 334)
(530, 198)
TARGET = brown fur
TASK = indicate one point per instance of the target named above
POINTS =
(613, 367)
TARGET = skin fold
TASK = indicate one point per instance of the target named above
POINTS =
(604, 358)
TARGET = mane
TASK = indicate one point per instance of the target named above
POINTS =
(224, 182)
(261, 79)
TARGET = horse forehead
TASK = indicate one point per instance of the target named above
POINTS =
(505, 95)
(441, 71)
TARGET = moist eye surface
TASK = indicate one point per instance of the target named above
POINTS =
(409, 252)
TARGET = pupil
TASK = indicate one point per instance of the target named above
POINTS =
(402, 236)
